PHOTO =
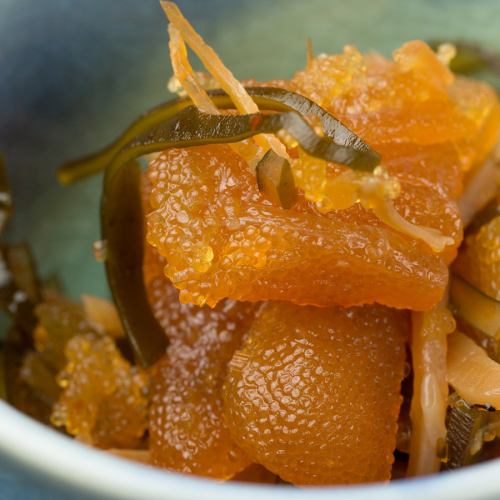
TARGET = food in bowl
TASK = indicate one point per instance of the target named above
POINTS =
(294, 297)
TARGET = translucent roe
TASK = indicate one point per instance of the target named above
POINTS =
(188, 432)
(314, 394)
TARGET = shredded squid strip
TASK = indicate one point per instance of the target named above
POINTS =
(430, 388)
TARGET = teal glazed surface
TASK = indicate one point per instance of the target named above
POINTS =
(74, 73)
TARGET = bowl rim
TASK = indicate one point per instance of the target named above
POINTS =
(25, 442)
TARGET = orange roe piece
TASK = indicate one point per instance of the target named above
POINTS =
(221, 238)
(478, 261)
(96, 394)
(413, 99)
(32, 388)
(429, 126)
(314, 394)
(187, 429)
(58, 321)
(36, 389)
(104, 400)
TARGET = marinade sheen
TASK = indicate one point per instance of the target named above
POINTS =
(222, 238)
(314, 394)
(178, 123)
(187, 428)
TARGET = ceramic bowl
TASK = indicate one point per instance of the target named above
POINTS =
(72, 74)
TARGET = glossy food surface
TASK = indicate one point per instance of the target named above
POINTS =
(314, 394)
(479, 259)
(103, 399)
(222, 238)
(187, 429)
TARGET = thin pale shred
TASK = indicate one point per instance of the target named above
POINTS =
(141, 456)
(102, 315)
(481, 185)
(478, 261)
(430, 388)
(243, 102)
(185, 74)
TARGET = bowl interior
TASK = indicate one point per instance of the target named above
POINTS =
(73, 74)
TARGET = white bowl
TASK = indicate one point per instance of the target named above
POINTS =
(60, 466)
